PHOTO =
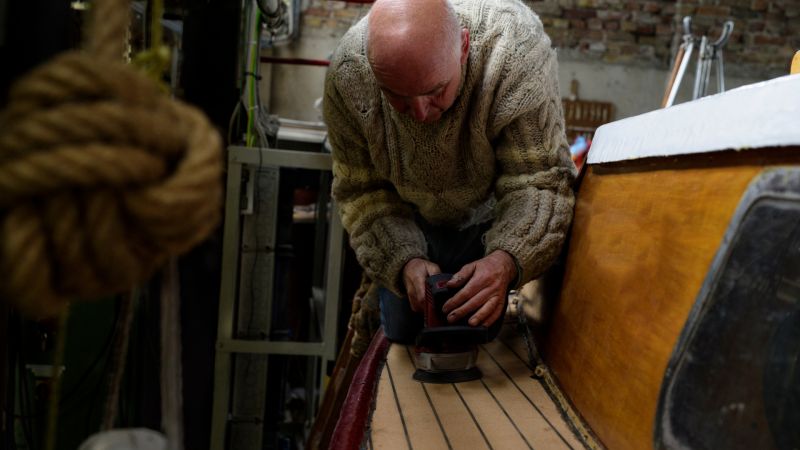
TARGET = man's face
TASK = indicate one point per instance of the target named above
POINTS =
(424, 85)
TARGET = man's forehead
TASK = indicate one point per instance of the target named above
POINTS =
(421, 90)
(413, 76)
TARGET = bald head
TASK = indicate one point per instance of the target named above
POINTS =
(416, 29)
(416, 49)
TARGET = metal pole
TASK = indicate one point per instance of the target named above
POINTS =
(698, 77)
(727, 29)
(333, 281)
(230, 254)
(687, 54)
(707, 59)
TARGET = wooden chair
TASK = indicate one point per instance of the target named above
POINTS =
(584, 116)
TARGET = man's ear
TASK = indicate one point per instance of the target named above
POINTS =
(464, 45)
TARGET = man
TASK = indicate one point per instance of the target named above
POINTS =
(449, 153)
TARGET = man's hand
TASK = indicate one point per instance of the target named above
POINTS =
(485, 284)
(415, 272)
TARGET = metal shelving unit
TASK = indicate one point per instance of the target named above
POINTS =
(227, 388)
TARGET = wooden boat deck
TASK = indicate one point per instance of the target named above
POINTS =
(506, 409)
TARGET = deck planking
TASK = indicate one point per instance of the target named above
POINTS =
(506, 409)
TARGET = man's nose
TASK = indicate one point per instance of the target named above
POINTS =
(419, 108)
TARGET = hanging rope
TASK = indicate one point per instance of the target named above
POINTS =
(171, 372)
(118, 358)
(55, 381)
(156, 59)
(102, 177)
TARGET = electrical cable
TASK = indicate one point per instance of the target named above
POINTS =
(253, 32)
(234, 123)
(260, 126)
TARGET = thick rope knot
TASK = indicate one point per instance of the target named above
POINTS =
(102, 177)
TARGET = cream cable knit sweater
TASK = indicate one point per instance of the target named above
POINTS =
(503, 138)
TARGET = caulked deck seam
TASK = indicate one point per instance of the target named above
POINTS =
(433, 408)
(502, 408)
(550, 424)
(473, 417)
(399, 408)
(502, 419)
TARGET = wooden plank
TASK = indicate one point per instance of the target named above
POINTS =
(460, 429)
(499, 429)
(537, 430)
(506, 409)
(424, 429)
(569, 423)
(516, 344)
(387, 430)
(642, 242)
(542, 409)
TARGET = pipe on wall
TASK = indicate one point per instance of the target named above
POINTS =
(295, 61)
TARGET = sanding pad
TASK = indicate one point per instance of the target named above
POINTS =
(450, 376)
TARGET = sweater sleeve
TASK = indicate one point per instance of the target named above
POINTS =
(380, 224)
(533, 187)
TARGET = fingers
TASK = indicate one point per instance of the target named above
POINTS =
(462, 276)
(415, 272)
(416, 293)
(493, 314)
(413, 297)
(488, 310)
(482, 296)
(491, 274)
(470, 305)
(432, 268)
(471, 290)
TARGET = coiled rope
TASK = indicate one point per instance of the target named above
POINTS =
(102, 176)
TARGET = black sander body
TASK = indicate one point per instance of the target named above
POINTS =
(444, 352)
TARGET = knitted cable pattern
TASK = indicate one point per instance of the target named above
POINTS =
(503, 139)
(102, 177)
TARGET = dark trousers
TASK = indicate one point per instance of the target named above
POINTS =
(451, 249)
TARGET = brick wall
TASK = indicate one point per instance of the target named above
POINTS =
(635, 32)
(646, 32)
(330, 18)
(614, 31)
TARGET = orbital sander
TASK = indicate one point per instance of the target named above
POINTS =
(444, 352)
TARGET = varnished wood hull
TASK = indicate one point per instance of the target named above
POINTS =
(644, 235)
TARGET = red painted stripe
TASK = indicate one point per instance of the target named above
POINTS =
(295, 61)
(349, 431)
